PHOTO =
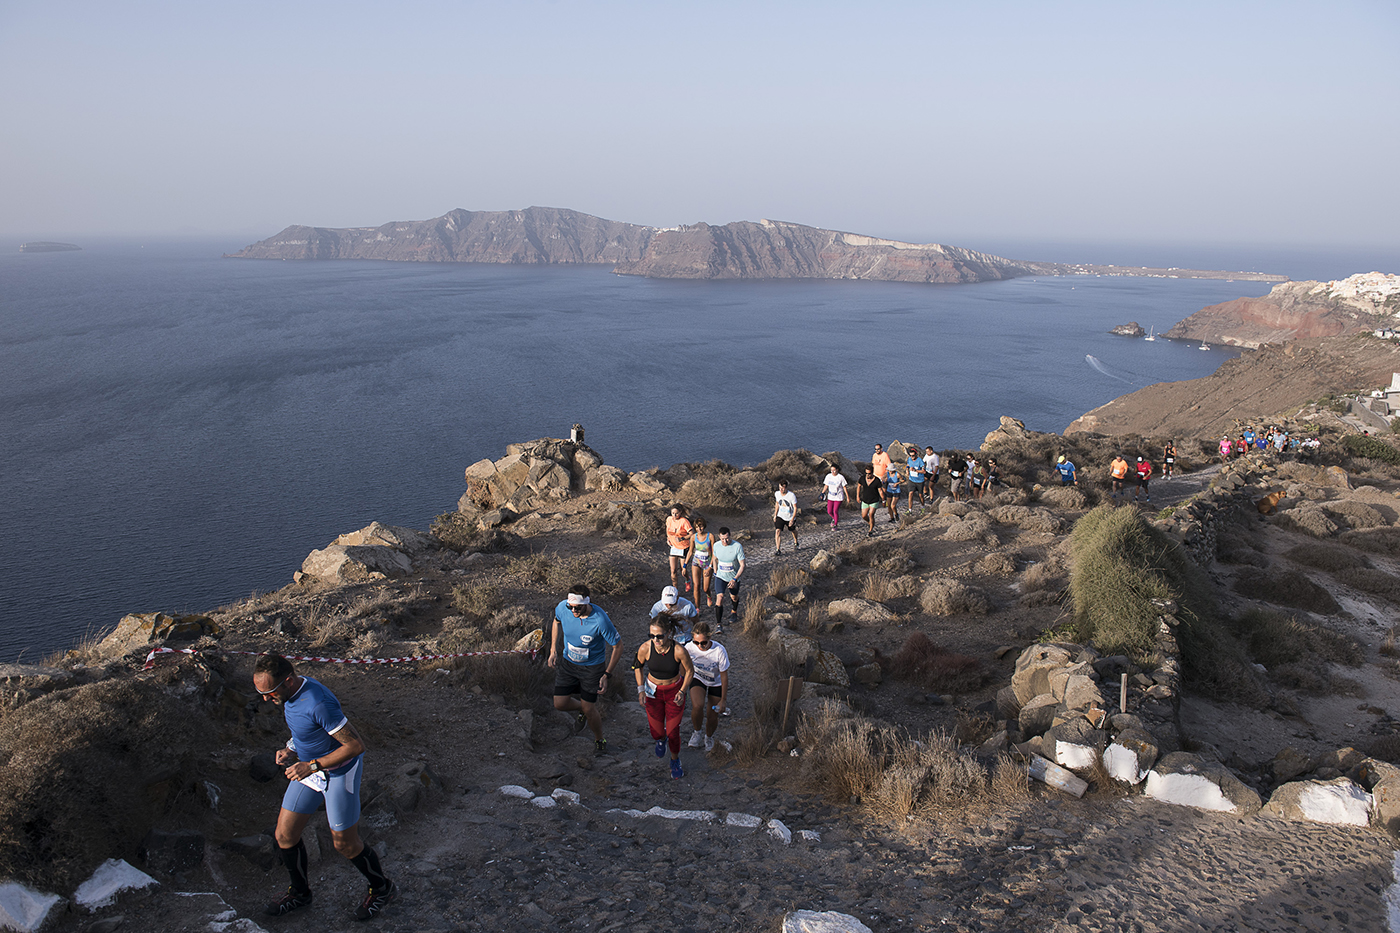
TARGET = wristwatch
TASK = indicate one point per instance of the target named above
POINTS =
(315, 765)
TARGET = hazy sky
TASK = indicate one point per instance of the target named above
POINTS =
(1268, 122)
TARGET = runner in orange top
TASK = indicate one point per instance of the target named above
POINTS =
(679, 538)
(1118, 473)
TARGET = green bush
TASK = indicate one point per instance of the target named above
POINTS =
(1121, 565)
(1360, 445)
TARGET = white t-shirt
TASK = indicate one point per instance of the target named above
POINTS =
(931, 462)
(683, 612)
(787, 504)
(708, 663)
(835, 487)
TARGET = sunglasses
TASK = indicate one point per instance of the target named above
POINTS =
(701, 643)
(268, 694)
(658, 637)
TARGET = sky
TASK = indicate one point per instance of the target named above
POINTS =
(962, 123)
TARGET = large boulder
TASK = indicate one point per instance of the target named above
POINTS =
(605, 479)
(339, 563)
(1130, 755)
(1191, 781)
(1038, 715)
(858, 610)
(1338, 801)
(791, 648)
(824, 563)
(828, 669)
(1033, 669)
(140, 629)
(413, 543)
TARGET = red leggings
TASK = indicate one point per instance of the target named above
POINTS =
(664, 716)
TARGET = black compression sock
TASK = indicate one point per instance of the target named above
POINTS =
(297, 862)
(368, 864)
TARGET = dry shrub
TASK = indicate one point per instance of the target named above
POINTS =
(997, 563)
(368, 644)
(512, 675)
(477, 600)
(935, 669)
(1302, 472)
(1373, 581)
(722, 495)
(561, 573)
(879, 588)
(799, 467)
(893, 774)
(1383, 541)
(1385, 748)
(1357, 515)
(1011, 782)
(1064, 497)
(974, 527)
(1298, 653)
(751, 619)
(1285, 589)
(85, 773)
(883, 554)
(1327, 557)
(784, 576)
(816, 616)
(946, 597)
(974, 727)
(630, 521)
(1048, 574)
(1388, 647)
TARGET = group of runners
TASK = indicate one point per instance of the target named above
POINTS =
(881, 483)
(680, 660)
(1272, 439)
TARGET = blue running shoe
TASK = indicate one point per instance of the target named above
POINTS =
(660, 747)
(676, 770)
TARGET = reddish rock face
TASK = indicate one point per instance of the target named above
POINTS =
(1252, 322)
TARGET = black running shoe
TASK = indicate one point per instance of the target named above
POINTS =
(289, 902)
(373, 904)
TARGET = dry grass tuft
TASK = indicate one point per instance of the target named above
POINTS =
(1286, 589)
(1011, 783)
(477, 600)
(785, 576)
(1372, 580)
(946, 597)
(892, 774)
(559, 573)
(1388, 647)
(935, 669)
(1327, 557)
(751, 619)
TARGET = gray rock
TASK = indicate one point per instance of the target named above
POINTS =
(1338, 802)
(824, 564)
(1033, 669)
(605, 479)
(869, 674)
(1082, 693)
(1189, 780)
(1038, 715)
(1289, 763)
(793, 649)
(171, 852)
(263, 768)
(862, 611)
(828, 669)
(827, 921)
(259, 850)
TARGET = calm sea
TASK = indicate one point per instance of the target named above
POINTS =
(180, 430)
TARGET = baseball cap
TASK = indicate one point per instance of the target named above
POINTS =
(1062, 459)
(670, 596)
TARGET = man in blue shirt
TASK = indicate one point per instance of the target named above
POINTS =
(324, 762)
(729, 567)
(584, 649)
(1067, 474)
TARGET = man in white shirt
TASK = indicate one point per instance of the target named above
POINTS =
(784, 516)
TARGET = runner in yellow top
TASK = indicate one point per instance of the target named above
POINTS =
(679, 537)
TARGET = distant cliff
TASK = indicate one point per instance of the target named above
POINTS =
(1254, 386)
(743, 250)
(1298, 310)
(775, 250)
(534, 235)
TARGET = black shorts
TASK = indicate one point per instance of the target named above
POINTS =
(571, 678)
(715, 691)
(783, 523)
(731, 585)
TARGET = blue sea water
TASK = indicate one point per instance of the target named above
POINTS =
(180, 430)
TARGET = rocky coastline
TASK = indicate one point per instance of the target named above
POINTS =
(952, 626)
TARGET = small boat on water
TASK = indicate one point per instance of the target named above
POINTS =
(1150, 336)
(1203, 346)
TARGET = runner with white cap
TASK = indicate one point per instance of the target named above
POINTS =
(678, 610)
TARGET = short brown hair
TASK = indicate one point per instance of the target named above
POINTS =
(274, 665)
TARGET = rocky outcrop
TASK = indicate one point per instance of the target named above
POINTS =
(533, 473)
(140, 629)
(1296, 309)
(1274, 379)
(373, 553)
(778, 250)
(1130, 329)
(535, 235)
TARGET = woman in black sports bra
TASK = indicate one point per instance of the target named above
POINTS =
(663, 671)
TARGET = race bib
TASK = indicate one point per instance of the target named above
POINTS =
(317, 781)
(726, 565)
(650, 688)
(576, 653)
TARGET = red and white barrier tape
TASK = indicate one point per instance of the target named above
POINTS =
(151, 658)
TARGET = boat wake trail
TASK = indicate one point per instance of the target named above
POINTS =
(1098, 364)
